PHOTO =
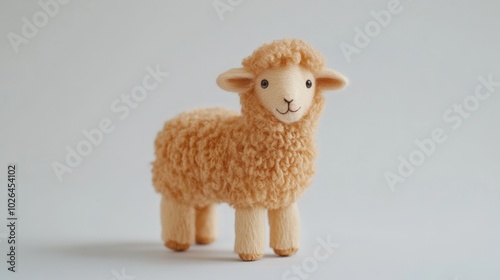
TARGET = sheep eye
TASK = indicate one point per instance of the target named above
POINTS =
(264, 83)
(309, 84)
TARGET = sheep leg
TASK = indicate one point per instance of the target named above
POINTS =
(206, 224)
(285, 230)
(250, 233)
(177, 224)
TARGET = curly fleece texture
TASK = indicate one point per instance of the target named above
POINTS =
(249, 159)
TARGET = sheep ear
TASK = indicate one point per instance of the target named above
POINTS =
(328, 79)
(236, 80)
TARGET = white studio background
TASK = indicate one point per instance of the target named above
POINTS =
(102, 220)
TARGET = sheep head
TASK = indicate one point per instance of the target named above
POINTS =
(285, 76)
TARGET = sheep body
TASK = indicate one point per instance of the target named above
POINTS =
(214, 155)
(260, 160)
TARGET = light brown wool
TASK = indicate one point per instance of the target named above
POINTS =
(249, 159)
(259, 160)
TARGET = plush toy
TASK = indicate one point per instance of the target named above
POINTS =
(257, 161)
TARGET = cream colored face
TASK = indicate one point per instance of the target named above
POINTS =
(286, 92)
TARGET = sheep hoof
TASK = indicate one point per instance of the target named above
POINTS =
(204, 240)
(176, 246)
(250, 257)
(285, 252)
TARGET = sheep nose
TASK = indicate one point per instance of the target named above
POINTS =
(288, 101)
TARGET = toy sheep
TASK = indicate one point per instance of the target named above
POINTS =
(261, 159)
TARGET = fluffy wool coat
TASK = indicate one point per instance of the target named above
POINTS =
(217, 155)
(260, 160)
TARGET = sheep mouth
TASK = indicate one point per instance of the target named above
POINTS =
(288, 110)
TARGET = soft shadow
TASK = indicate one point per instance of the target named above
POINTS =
(151, 252)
